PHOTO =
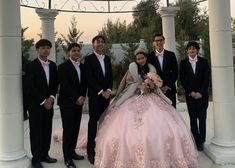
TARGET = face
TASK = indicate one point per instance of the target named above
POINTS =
(99, 46)
(43, 52)
(158, 43)
(74, 53)
(140, 59)
(192, 51)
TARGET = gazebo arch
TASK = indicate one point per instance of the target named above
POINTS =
(12, 154)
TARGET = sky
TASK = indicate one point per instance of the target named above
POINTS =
(88, 23)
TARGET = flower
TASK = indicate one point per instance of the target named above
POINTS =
(155, 78)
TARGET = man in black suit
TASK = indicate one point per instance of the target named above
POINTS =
(71, 99)
(99, 81)
(42, 87)
(195, 76)
(166, 65)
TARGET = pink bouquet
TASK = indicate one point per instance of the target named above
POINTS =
(155, 78)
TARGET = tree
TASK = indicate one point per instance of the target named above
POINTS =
(26, 43)
(73, 36)
(187, 18)
(146, 20)
(115, 32)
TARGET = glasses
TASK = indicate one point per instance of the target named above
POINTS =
(160, 40)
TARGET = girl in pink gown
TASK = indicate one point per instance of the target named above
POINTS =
(143, 130)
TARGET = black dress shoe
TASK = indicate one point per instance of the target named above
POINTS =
(200, 147)
(91, 159)
(69, 164)
(48, 159)
(77, 157)
(37, 165)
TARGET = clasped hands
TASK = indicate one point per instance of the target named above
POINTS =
(106, 94)
(196, 95)
(48, 104)
(164, 89)
(80, 101)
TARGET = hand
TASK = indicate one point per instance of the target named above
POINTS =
(151, 85)
(144, 88)
(198, 95)
(165, 89)
(48, 104)
(80, 101)
(106, 94)
(193, 94)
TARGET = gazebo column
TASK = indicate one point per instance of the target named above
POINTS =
(222, 147)
(168, 26)
(12, 153)
(47, 17)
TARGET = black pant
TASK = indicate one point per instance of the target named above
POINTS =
(197, 110)
(71, 119)
(97, 106)
(40, 125)
(172, 96)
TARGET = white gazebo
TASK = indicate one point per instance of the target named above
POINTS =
(12, 154)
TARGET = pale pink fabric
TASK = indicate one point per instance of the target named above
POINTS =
(81, 141)
(144, 132)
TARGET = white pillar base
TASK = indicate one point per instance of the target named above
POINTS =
(24, 162)
(220, 154)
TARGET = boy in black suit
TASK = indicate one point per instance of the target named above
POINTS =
(195, 76)
(42, 87)
(166, 65)
(71, 99)
(99, 81)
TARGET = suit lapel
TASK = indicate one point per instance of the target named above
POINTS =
(164, 61)
(42, 72)
(198, 63)
(99, 68)
(159, 70)
(73, 69)
(190, 67)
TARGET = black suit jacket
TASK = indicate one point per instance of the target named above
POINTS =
(71, 87)
(169, 72)
(38, 89)
(197, 82)
(96, 81)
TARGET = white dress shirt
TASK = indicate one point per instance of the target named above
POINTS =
(193, 62)
(101, 60)
(160, 57)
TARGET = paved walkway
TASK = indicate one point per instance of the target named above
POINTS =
(56, 149)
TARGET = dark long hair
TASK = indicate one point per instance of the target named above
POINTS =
(142, 70)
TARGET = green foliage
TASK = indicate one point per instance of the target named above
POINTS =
(73, 36)
(147, 21)
(187, 18)
(26, 43)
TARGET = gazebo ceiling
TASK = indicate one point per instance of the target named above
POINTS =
(91, 6)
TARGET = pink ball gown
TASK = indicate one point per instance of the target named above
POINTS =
(144, 132)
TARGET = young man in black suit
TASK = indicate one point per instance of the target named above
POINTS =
(195, 77)
(71, 99)
(42, 87)
(166, 65)
(99, 81)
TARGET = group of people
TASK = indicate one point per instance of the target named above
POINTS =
(140, 127)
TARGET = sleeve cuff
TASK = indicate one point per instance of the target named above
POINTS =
(100, 92)
(109, 90)
(53, 97)
(43, 102)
